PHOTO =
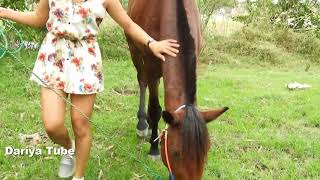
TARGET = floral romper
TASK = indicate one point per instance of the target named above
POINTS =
(69, 58)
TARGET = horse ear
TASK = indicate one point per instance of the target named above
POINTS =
(168, 118)
(211, 115)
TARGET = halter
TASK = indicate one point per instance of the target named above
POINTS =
(165, 133)
(166, 152)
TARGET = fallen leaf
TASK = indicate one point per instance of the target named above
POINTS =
(97, 107)
(48, 158)
(32, 139)
(22, 115)
(110, 147)
(100, 176)
(108, 108)
(137, 176)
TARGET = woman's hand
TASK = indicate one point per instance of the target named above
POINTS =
(159, 48)
(169, 47)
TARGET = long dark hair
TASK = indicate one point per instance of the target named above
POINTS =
(195, 137)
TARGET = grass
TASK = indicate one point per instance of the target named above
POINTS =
(269, 132)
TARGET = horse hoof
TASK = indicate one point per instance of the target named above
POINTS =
(142, 133)
(154, 157)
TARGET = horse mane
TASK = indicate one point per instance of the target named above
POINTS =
(195, 137)
(188, 52)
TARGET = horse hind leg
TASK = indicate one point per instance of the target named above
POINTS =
(154, 115)
(142, 125)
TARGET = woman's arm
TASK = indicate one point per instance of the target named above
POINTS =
(37, 18)
(159, 48)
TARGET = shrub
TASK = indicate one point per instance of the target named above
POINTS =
(296, 14)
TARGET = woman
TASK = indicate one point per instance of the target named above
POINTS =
(69, 61)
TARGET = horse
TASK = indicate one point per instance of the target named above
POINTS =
(185, 145)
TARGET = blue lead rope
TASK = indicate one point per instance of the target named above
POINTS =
(171, 177)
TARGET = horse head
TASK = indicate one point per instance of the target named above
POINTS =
(187, 141)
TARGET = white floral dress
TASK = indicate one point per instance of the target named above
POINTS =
(69, 57)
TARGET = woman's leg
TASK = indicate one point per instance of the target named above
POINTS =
(81, 128)
(53, 115)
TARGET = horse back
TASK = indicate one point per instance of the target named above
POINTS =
(146, 14)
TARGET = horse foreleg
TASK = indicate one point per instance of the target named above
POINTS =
(142, 126)
(154, 114)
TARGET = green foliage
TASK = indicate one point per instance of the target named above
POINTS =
(112, 41)
(267, 38)
(124, 2)
(14, 4)
(208, 7)
(296, 14)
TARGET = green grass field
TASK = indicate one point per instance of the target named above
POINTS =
(269, 132)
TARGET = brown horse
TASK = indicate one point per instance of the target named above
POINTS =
(187, 138)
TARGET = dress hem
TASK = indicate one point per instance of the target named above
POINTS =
(64, 90)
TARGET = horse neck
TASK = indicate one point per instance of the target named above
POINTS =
(180, 21)
(174, 84)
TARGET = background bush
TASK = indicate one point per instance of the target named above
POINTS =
(300, 15)
(274, 32)
(209, 7)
